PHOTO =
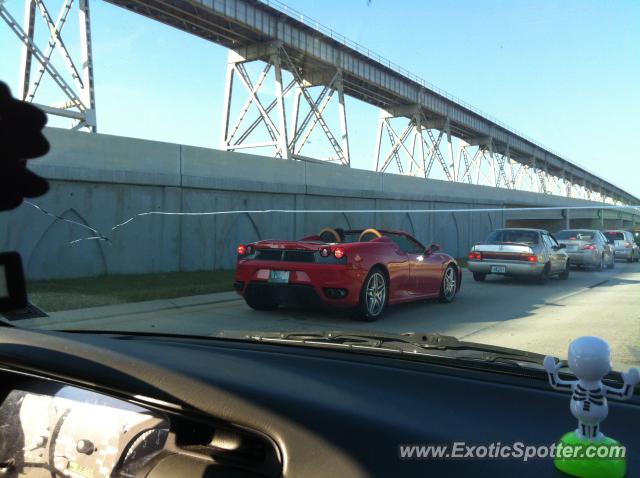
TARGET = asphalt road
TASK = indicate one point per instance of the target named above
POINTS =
(500, 311)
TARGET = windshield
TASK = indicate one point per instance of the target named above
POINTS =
(514, 235)
(210, 175)
(576, 235)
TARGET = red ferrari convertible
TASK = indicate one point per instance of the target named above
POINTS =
(364, 270)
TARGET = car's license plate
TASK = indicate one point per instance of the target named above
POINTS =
(279, 276)
(498, 269)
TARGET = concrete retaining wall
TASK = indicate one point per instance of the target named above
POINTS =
(101, 180)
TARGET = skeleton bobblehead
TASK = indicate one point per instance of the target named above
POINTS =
(590, 361)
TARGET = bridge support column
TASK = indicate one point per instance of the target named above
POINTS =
(282, 143)
(415, 150)
(566, 184)
(601, 216)
(76, 85)
(491, 165)
(542, 179)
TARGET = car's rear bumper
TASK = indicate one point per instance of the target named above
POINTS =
(623, 253)
(579, 258)
(295, 295)
(309, 284)
(512, 268)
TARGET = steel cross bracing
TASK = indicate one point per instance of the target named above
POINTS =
(422, 144)
(421, 153)
(77, 85)
(284, 144)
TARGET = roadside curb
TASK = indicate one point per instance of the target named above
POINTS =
(131, 308)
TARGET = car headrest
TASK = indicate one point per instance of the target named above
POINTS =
(329, 235)
(369, 235)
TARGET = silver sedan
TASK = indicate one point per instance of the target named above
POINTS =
(519, 252)
(587, 247)
(624, 244)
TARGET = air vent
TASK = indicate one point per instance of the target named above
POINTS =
(226, 445)
(299, 256)
(286, 256)
(269, 255)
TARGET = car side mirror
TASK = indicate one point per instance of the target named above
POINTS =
(432, 248)
(561, 246)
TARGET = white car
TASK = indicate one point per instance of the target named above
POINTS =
(519, 252)
(625, 244)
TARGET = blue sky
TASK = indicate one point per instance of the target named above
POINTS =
(566, 73)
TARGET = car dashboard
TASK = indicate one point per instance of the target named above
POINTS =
(57, 429)
(87, 405)
(50, 429)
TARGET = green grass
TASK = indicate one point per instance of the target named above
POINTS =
(66, 294)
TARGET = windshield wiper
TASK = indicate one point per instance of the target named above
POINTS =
(408, 343)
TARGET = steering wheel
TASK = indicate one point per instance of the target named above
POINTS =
(369, 235)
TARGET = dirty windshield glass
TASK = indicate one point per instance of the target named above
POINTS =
(322, 166)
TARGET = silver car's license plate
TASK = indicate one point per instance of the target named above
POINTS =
(281, 277)
(498, 269)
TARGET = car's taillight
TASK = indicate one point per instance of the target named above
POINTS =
(528, 257)
(475, 256)
(589, 247)
(338, 252)
(325, 251)
(627, 245)
(242, 250)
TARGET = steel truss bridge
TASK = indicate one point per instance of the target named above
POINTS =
(422, 131)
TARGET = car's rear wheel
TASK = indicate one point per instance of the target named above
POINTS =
(564, 275)
(449, 285)
(544, 276)
(261, 304)
(373, 296)
(479, 276)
